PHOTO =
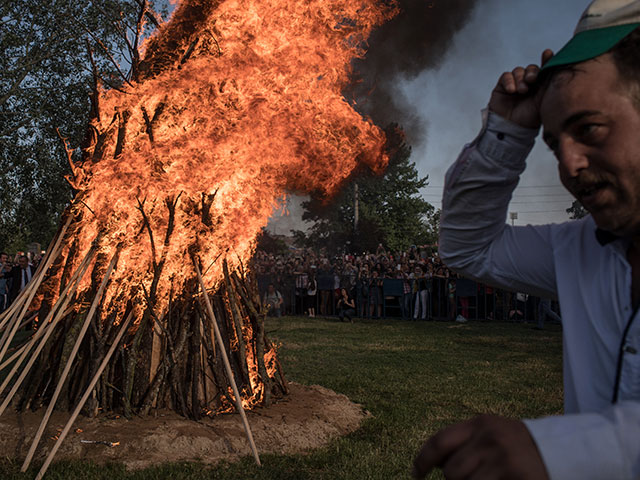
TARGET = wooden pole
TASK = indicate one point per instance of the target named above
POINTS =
(26, 298)
(16, 354)
(227, 366)
(69, 292)
(48, 324)
(51, 255)
(67, 368)
(85, 397)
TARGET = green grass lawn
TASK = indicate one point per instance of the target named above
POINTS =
(414, 378)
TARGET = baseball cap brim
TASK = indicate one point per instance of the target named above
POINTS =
(590, 44)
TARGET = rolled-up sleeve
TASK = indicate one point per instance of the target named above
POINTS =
(591, 446)
(474, 237)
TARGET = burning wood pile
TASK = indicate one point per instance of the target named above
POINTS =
(229, 106)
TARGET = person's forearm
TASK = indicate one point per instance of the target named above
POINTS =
(479, 186)
(474, 237)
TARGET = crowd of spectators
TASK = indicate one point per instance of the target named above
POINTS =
(414, 284)
(351, 284)
(15, 273)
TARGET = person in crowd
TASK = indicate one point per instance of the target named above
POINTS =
(519, 300)
(312, 293)
(421, 308)
(587, 100)
(346, 306)
(545, 310)
(273, 301)
(5, 270)
(362, 286)
(302, 280)
(375, 295)
(407, 292)
(325, 285)
(21, 274)
(452, 302)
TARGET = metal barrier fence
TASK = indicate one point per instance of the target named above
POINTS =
(380, 298)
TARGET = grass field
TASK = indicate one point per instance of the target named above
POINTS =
(414, 378)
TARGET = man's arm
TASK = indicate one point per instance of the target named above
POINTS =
(474, 238)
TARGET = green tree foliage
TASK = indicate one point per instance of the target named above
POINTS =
(576, 210)
(46, 77)
(271, 244)
(391, 209)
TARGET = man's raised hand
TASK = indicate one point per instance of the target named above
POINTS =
(514, 97)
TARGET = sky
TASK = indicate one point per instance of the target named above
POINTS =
(500, 35)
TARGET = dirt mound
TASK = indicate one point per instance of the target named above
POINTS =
(307, 418)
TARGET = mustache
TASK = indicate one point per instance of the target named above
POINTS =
(586, 180)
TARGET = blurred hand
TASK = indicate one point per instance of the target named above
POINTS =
(514, 97)
(485, 447)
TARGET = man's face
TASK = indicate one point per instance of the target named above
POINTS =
(23, 262)
(593, 127)
(4, 258)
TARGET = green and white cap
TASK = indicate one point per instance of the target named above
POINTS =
(603, 24)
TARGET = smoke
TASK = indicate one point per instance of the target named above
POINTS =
(415, 40)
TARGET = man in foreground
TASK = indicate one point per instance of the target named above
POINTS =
(587, 98)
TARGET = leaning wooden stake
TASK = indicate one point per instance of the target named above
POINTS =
(227, 366)
(67, 367)
(60, 313)
(85, 397)
(26, 297)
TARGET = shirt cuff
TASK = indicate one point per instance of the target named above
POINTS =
(577, 446)
(505, 142)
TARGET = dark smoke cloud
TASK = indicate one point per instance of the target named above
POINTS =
(415, 40)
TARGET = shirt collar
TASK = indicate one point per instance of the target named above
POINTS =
(605, 237)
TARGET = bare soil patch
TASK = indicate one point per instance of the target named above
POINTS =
(308, 418)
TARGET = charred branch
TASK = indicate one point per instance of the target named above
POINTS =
(123, 118)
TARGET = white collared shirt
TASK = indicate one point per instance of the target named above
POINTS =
(594, 439)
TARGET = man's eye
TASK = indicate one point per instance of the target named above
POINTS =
(589, 131)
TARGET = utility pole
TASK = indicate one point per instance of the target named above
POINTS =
(356, 206)
(513, 216)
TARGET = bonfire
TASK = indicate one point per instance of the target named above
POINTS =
(145, 299)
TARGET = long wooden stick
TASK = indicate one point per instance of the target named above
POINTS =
(6, 316)
(77, 277)
(57, 309)
(51, 255)
(32, 289)
(85, 397)
(227, 366)
(16, 354)
(67, 368)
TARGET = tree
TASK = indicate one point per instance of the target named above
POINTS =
(268, 243)
(576, 210)
(391, 210)
(53, 54)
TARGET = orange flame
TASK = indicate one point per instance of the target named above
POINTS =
(255, 111)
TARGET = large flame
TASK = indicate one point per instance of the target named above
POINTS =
(248, 110)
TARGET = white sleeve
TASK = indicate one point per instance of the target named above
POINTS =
(474, 238)
(591, 446)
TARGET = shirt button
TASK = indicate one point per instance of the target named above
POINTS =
(500, 136)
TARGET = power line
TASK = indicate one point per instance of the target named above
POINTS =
(519, 186)
(529, 202)
(543, 211)
(516, 195)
